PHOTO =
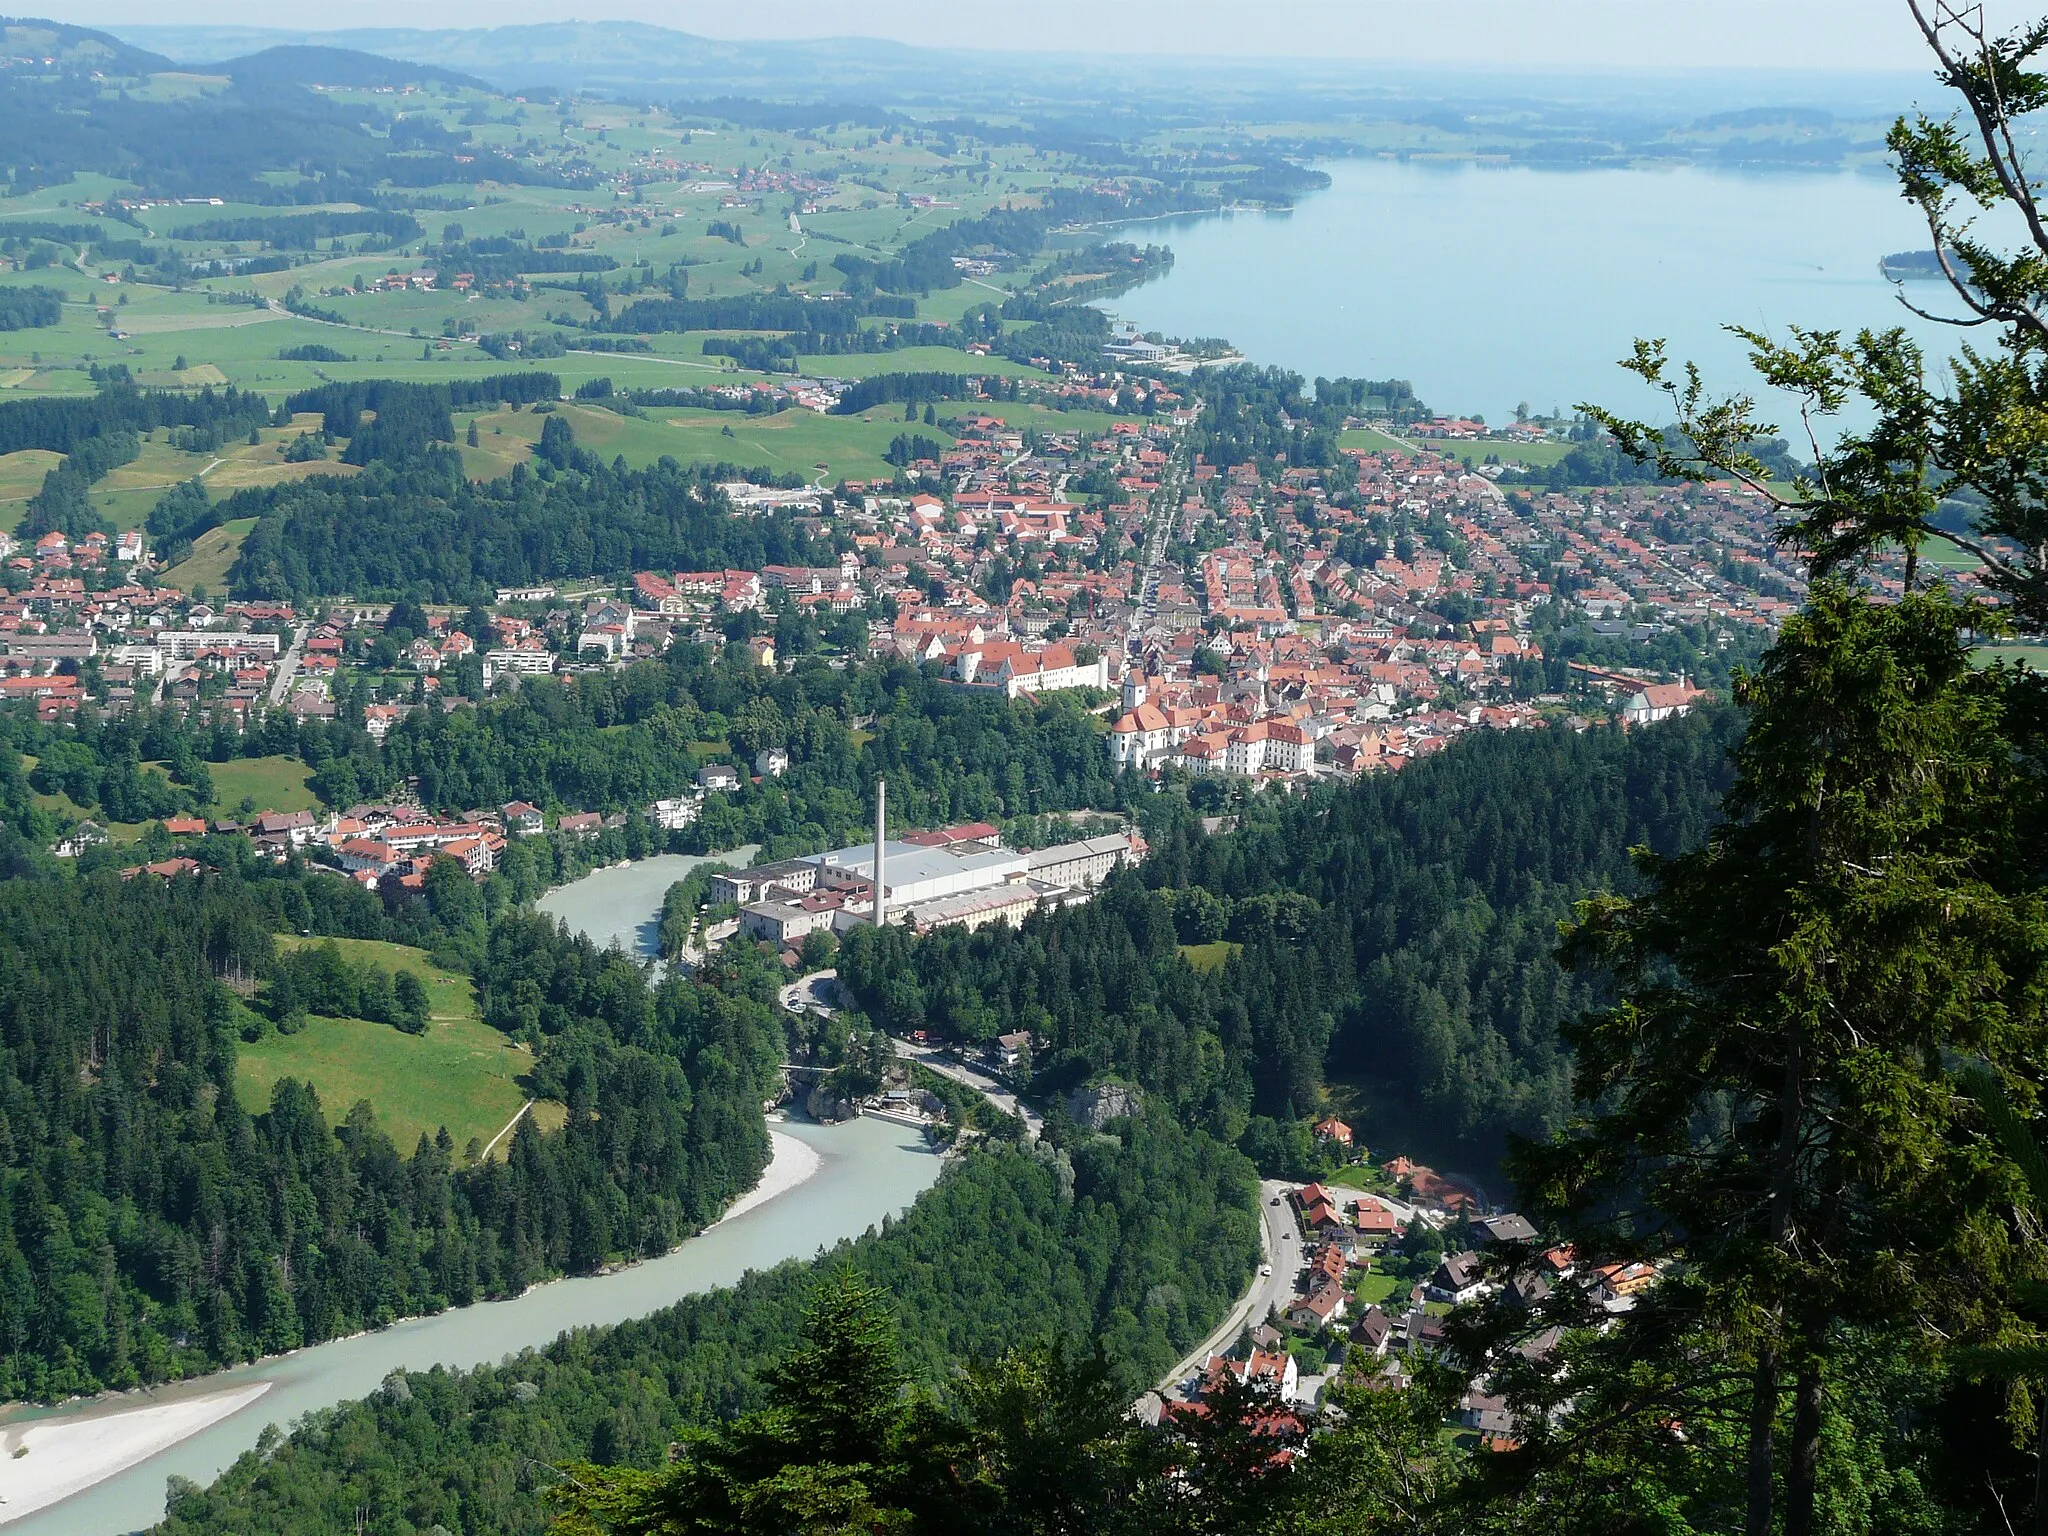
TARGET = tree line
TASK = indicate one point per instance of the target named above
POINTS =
(419, 527)
(152, 1228)
(1396, 931)
(1139, 1238)
(30, 306)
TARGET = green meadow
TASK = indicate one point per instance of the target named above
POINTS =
(461, 1073)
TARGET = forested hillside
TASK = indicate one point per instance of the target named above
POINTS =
(420, 529)
(1399, 930)
(1135, 1240)
(153, 1228)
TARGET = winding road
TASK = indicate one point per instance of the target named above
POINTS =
(1281, 1244)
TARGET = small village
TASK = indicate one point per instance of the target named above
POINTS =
(1371, 1261)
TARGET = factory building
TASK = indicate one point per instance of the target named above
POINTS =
(955, 875)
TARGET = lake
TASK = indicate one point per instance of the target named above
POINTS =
(1487, 286)
(868, 1169)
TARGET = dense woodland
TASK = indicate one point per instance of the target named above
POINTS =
(1135, 1239)
(1396, 932)
(27, 307)
(153, 1228)
(419, 527)
(61, 423)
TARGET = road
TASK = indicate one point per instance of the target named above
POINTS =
(289, 667)
(816, 992)
(983, 1083)
(1282, 1249)
(1165, 510)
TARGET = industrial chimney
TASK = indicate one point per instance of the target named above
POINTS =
(881, 837)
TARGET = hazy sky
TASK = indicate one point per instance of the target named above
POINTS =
(1807, 34)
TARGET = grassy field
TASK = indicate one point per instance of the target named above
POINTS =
(1533, 455)
(128, 494)
(1021, 413)
(461, 1073)
(1209, 957)
(212, 553)
(862, 365)
(798, 441)
(21, 474)
(273, 783)
(1370, 440)
(1374, 1288)
(1359, 1176)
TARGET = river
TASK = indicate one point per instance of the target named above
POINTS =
(1489, 286)
(866, 1170)
(622, 904)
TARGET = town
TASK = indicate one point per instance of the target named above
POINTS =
(1264, 623)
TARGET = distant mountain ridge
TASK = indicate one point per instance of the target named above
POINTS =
(313, 64)
(27, 42)
(638, 58)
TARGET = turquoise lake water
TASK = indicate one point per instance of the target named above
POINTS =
(1488, 286)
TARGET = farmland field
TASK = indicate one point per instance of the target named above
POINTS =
(863, 365)
(1370, 440)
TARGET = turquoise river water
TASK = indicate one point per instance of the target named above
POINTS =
(869, 1170)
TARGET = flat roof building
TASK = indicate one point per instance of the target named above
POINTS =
(917, 873)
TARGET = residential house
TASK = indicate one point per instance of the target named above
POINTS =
(1459, 1278)
(1660, 701)
(1372, 1331)
(676, 812)
(1011, 1051)
(1374, 1222)
(1506, 1227)
(295, 827)
(1319, 1309)
(718, 778)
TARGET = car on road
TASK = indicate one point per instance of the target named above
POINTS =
(1274, 1201)
(1265, 1270)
